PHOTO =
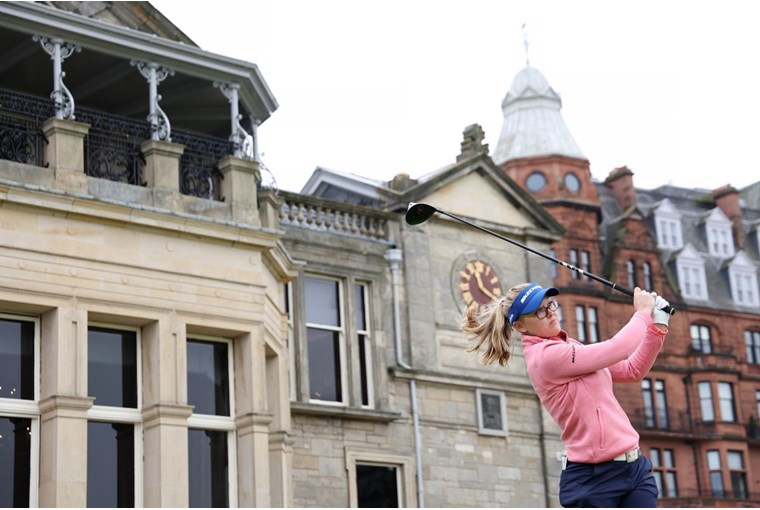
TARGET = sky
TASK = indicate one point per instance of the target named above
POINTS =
(375, 88)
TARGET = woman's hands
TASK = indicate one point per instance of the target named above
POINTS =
(651, 303)
(643, 301)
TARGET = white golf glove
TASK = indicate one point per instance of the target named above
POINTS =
(660, 315)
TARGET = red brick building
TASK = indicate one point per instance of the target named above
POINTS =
(697, 410)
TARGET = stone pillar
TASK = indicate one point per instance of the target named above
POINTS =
(254, 483)
(64, 153)
(63, 408)
(161, 172)
(165, 414)
(165, 465)
(239, 188)
(269, 208)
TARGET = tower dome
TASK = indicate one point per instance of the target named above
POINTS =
(533, 124)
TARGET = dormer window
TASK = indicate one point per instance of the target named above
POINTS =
(720, 241)
(691, 274)
(743, 280)
(667, 221)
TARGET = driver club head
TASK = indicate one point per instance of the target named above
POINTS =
(419, 213)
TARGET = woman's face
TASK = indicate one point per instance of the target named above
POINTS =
(546, 327)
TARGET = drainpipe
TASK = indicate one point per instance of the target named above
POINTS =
(394, 256)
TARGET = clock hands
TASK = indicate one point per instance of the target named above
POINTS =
(483, 287)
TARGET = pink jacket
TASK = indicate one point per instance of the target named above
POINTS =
(574, 382)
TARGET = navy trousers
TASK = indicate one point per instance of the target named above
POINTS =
(608, 485)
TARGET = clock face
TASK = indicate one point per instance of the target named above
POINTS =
(478, 283)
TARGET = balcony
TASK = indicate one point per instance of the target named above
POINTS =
(112, 146)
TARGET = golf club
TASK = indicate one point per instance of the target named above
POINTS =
(418, 213)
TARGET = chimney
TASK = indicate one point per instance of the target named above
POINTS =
(620, 182)
(727, 199)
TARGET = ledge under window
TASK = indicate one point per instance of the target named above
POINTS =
(352, 413)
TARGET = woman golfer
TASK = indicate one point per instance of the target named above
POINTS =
(604, 467)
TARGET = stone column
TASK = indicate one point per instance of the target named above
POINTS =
(161, 172)
(64, 153)
(165, 413)
(239, 188)
(63, 408)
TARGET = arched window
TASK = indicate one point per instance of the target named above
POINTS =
(630, 268)
(647, 271)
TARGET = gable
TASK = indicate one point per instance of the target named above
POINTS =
(476, 196)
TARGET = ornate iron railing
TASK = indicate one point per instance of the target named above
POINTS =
(112, 145)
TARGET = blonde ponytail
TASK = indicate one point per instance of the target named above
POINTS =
(490, 329)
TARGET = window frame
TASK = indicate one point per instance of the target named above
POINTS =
(727, 403)
(30, 409)
(740, 471)
(364, 337)
(665, 471)
(342, 347)
(704, 399)
(504, 430)
(406, 474)
(114, 414)
(698, 344)
(221, 423)
(646, 269)
(715, 473)
(656, 413)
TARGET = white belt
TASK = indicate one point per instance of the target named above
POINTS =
(631, 456)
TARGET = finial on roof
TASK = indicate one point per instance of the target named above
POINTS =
(526, 44)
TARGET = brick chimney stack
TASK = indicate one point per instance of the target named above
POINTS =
(727, 199)
(620, 181)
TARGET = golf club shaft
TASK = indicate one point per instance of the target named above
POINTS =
(625, 290)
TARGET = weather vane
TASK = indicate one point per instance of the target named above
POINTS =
(526, 44)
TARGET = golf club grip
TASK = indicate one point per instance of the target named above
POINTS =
(625, 290)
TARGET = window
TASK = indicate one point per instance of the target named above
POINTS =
(574, 262)
(114, 421)
(572, 183)
(646, 269)
(655, 404)
(757, 402)
(700, 338)
(720, 242)
(211, 427)
(664, 471)
(743, 280)
(586, 263)
(380, 480)
(288, 307)
(19, 411)
(325, 340)
(535, 181)
(691, 274)
(738, 474)
(492, 412)
(704, 390)
(667, 222)
(630, 268)
(364, 344)
(588, 323)
(726, 401)
(339, 342)
(716, 475)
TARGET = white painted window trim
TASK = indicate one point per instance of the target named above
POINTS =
(112, 414)
(341, 330)
(667, 221)
(214, 422)
(13, 408)
(720, 240)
